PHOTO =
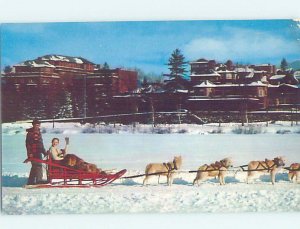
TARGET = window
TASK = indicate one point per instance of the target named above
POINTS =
(261, 92)
(228, 76)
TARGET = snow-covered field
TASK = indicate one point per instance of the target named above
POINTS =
(152, 199)
(132, 148)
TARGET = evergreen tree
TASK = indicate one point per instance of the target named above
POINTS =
(283, 64)
(105, 66)
(7, 69)
(65, 109)
(145, 82)
(177, 64)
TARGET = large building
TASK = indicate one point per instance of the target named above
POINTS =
(63, 83)
(47, 71)
(64, 71)
(101, 85)
(218, 86)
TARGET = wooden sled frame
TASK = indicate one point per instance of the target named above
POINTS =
(60, 176)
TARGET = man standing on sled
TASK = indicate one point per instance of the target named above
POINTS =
(35, 149)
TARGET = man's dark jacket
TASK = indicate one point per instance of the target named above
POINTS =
(34, 144)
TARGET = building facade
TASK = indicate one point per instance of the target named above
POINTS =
(62, 84)
(47, 71)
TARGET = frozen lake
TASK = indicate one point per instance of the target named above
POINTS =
(134, 151)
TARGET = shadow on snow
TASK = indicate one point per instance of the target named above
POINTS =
(13, 181)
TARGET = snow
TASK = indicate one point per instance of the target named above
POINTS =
(276, 77)
(134, 147)
(203, 61)
(257, 83)
(181, 91)
(264, 79)
(206, 83)
(77, 60)
(256, 71)
(134, 198)
(33, 63)
(289, 85)
(251, 75)
(225, 71)
(246, 69)
(19, 128)
(205, 74)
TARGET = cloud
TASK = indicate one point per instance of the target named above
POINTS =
(240, 45)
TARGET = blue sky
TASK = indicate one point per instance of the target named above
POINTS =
(148, 45)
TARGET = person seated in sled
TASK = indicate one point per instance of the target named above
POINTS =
(56, 154)
(60, 156)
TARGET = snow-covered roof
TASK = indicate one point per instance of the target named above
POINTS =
(297, 75)
(259, 71)
(272, 85)
(78, 60)
(199, 61)
(150, 89)
(276, 77)
(262, 65)
(36, 64)
(246, 69)
(137, 91)
(264, 79)
(206, 74)
(181, 91)
(208, 84)
(250, 75)
(205, 83)
(96, 76)
(257, 83)
(288, 85)
(225, 71)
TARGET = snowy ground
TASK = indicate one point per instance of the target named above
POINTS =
(131, 197)
(280, 127)
(137, 199)
(132, 149)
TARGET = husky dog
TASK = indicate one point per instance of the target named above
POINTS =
(163, 169)
(294, 172)
(270, 166)
(217, 169)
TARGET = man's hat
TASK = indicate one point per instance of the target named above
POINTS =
(35, 121)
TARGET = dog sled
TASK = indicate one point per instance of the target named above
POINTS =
(60, 176)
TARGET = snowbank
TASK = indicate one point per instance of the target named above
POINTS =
(282, 127)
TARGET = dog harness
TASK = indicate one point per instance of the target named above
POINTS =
(267, 167)
(170, 165)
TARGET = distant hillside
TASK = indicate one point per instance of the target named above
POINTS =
(295, 65)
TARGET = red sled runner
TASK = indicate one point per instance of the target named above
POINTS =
(60, 176)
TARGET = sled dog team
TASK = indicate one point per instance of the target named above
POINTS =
(220, 168)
